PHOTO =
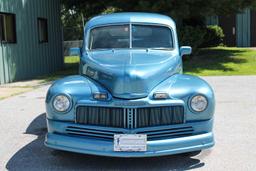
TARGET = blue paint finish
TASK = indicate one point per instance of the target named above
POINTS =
(155, 148)
(74, 51)
(202, 139)
(131, 74)
(130, 77)
(185, 50)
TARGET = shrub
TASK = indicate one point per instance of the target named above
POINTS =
(192, 36)
(213, 37)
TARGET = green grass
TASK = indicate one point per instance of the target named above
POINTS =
(221, 61)
(70, 61)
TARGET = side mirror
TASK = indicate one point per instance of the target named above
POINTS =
(185, 50)
(75, 51)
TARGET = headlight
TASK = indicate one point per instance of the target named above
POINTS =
(61, 103)
(199, 103)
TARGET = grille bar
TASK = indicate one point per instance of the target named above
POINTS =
(169, 132)
(131, 120)
(159, 133)
(97, 132)
(163, 131)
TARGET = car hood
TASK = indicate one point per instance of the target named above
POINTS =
(131, 74)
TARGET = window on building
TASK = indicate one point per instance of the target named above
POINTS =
(7, 28)
(42, 30)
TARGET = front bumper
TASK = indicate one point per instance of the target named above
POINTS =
(154, 148)
(105, 148)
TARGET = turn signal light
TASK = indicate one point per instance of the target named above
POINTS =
(160, 96)
(100, 96)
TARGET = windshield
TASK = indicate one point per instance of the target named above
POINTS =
(110, 37)
(118, 36)
(151, 37)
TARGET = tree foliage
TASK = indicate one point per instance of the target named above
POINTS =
(184, 12)
(178, 9)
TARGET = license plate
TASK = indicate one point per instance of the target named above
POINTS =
(130, 142)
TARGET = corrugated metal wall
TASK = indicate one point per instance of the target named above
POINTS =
(29, 58)
(243, 29)
(242, 34)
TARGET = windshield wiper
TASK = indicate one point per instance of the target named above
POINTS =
(160, 48)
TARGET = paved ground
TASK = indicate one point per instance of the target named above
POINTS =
(11, 89)
(22, 130)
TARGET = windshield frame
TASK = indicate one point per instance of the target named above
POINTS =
(87, 38)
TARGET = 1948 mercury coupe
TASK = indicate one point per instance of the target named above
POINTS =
(131, 98)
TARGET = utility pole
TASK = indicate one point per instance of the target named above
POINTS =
(82, 15)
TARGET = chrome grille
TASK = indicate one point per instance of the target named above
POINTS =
(130, 118)
(147, 117)
(101, 116)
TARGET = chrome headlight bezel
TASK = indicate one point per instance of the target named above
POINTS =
(68, 101)
(198, 97)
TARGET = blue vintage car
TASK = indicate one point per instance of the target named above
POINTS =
(131, 98)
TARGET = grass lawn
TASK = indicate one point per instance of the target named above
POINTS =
(71, 61)
(221, 61)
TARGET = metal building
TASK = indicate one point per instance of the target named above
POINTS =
(239, 29)
(30, 39)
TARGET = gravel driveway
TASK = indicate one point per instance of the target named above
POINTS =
(22, 130)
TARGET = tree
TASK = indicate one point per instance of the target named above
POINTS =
(188, 14)
(183, 10)
(76, 12)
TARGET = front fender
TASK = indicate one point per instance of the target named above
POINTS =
(77, 88)
(184, 87)
(179, 87)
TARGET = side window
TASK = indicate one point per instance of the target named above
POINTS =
(42, 30)
(7, 28)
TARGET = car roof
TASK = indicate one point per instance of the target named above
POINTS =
(130, 17)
